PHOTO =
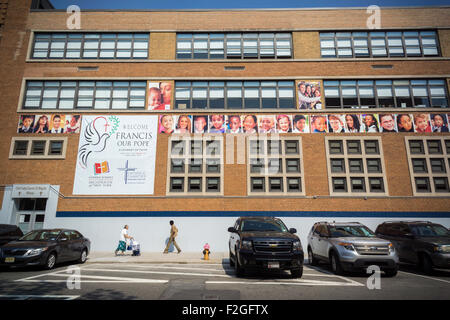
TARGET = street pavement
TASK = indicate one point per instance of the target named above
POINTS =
(185, 276)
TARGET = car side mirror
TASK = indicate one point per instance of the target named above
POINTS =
(231, 229)
(293, 230)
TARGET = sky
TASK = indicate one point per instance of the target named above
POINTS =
(238, 4)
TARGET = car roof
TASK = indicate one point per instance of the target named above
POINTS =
(410, 222)
(339, 223)
(258, 218)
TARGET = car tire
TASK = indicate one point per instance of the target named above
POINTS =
(297, 273)
(51, 261)
(237, 267)
(231, 259)
(83, 256)
(312, 261)
(426, 264)
(336, 266)
(391, 272)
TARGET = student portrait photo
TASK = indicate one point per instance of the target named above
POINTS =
(57, 123)
(41, 124)
(166, 124)
(200, 123)
(405, 122)
(233, 124)
(250, 124)
(422, 123)
(266, 124)
(369, 123)
(387, 122)
(352, 123)
(166, 93)
(439, 122)
(300, 123)
(335, 123)
(309, 94)
(216, 123)
(319, 124)
(26, 123)
(284, 123)
(72, 124)
(183, 124)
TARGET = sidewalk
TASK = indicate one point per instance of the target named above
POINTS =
(157, 257)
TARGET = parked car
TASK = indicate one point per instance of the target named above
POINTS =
(422, 243)
(350, 247)
(45, 248)
(264, 243)
(9, 232)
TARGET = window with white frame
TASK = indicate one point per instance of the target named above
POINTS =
(234, 45)
(274, 166)
(429, 165)
(379, 44)
(98, 95)
(401, 93)
(195, 165)
(355, 166)
(61, 45)
(235, 95)
(38, 148)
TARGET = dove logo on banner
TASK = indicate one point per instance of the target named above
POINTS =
(112, 145)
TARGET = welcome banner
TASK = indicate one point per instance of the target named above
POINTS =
(116, 155)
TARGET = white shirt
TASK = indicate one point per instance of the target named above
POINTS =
(122, 235)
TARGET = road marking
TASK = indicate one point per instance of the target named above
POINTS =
(183, 268)
(330, 274)
(296, 283)
(109, 279)
(160, 272)
(431, 278)
(25, 297)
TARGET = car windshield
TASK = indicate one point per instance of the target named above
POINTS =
(350, 231)
(40, 235)
(433, 230)
(260, 225)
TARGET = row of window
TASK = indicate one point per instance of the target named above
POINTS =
(385, 93)
(247, 45)
(234, 45)
(378, 44)
(267, 94)
(38, 148)
(85, 95)
(234, 94)
(90, 46)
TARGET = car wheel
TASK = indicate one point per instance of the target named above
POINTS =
(297, 273)
(231, 259)
(83, 256)
(51, 261)
(391, 272)
(427, 265)
(237, 267)
(312, 261)
(336, 264)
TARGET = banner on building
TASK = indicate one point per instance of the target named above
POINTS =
(116, 155)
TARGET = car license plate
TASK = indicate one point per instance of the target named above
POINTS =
(9, 260)
(273, 265)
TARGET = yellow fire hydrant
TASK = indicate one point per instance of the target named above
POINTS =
(206, 252)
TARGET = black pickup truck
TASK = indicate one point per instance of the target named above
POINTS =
(264, 243)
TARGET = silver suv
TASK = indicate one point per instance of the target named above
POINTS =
(350, 246)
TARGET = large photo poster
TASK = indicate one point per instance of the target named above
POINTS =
(116, 155)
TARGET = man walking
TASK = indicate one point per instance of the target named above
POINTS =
(173, 234)
(123, 240)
